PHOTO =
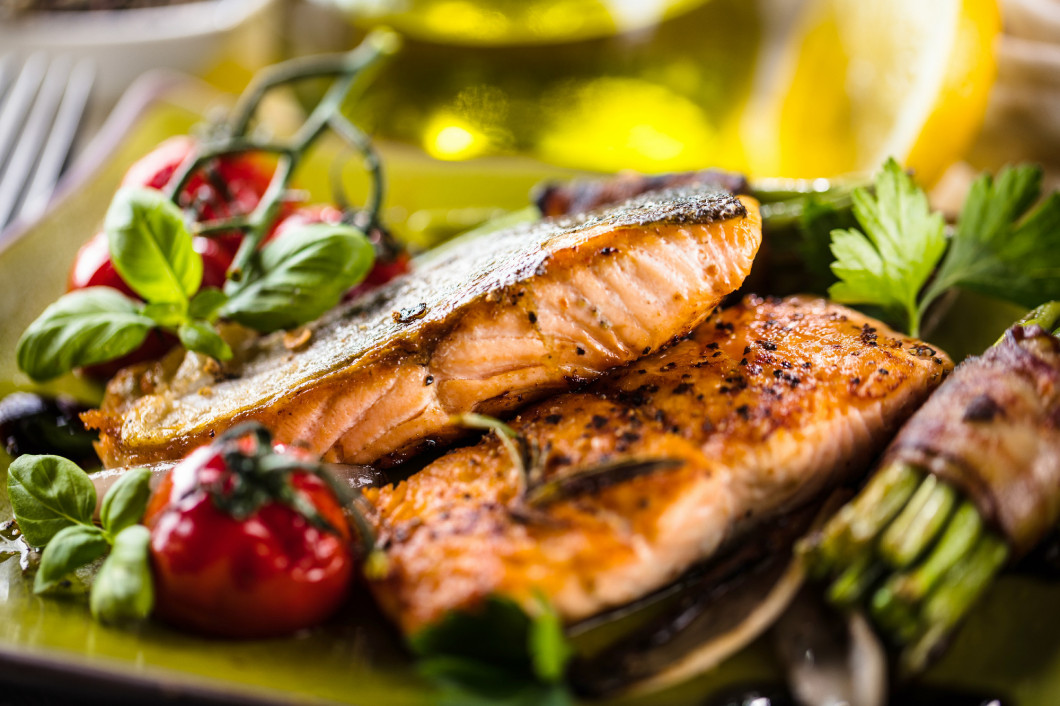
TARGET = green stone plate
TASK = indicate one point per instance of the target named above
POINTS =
(1011, 645)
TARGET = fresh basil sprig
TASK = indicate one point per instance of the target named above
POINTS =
(298, 278)
(153, 251)
(84, 327)
(53, 501)
(123, 590)
(150, 246)
(303, 274)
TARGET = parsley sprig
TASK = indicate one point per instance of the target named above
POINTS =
(902, 262)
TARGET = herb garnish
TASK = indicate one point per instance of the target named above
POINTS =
(1000, 246)
(270, 285)
(499, 653)
(54, 500)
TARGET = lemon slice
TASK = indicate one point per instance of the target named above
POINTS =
(857, 81)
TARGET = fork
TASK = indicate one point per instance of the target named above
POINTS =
(42, 102)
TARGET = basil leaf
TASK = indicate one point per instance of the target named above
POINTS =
(168, 314)
(201, 337)
(122, 590)
(71, 548)
(151, 247)
(85, 327)
(547, 644)
(207, 303)
(125, 502)
(48, 494)
(305, 273)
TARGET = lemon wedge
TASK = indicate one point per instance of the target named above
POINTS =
(855, 82)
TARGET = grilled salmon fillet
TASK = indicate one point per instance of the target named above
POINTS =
(761, 408)
(484, 323)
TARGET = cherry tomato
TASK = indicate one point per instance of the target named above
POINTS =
(382, 272)
(228, 186)
(269, 573)
(385, 268)
(305, 215)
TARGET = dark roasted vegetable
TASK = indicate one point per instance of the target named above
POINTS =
(38, 424)
(971, 480)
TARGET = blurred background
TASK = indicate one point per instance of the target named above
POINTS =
(806, 88)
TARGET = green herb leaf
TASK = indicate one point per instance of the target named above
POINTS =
(818, 219)
(304, 274)
(890, 262)
(207, 303)
(84, 327)
(123, 590)
(549, 649)
(167, 314)
(496, 653)
(125, 502)
(201, 337)
(48, 494)
(465, 682)
(71, 548)
(151, 247)
(997, 250)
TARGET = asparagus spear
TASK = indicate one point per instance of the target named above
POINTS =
(914, 549)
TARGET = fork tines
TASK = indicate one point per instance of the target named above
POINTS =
(42, 101)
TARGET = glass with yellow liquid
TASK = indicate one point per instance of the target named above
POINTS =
(799, 88)
(651, 85)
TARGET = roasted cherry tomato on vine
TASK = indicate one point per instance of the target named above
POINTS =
(228, 186)
(233, 555)
(390, 260)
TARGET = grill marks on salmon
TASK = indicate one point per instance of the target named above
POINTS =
(763, 406)
(485, 324)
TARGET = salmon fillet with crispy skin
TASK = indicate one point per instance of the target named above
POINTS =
(761, 408)
(487, 323)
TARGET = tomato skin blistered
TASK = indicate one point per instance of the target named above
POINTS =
(271, 573)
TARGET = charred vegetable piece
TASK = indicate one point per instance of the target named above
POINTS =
(39, 424)
(972, 480)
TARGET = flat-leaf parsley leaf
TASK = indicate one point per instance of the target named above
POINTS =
(1000, 246)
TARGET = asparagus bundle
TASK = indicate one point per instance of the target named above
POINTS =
(972, 480)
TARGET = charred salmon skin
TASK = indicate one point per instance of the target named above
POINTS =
(486, 324)
(655, 467)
